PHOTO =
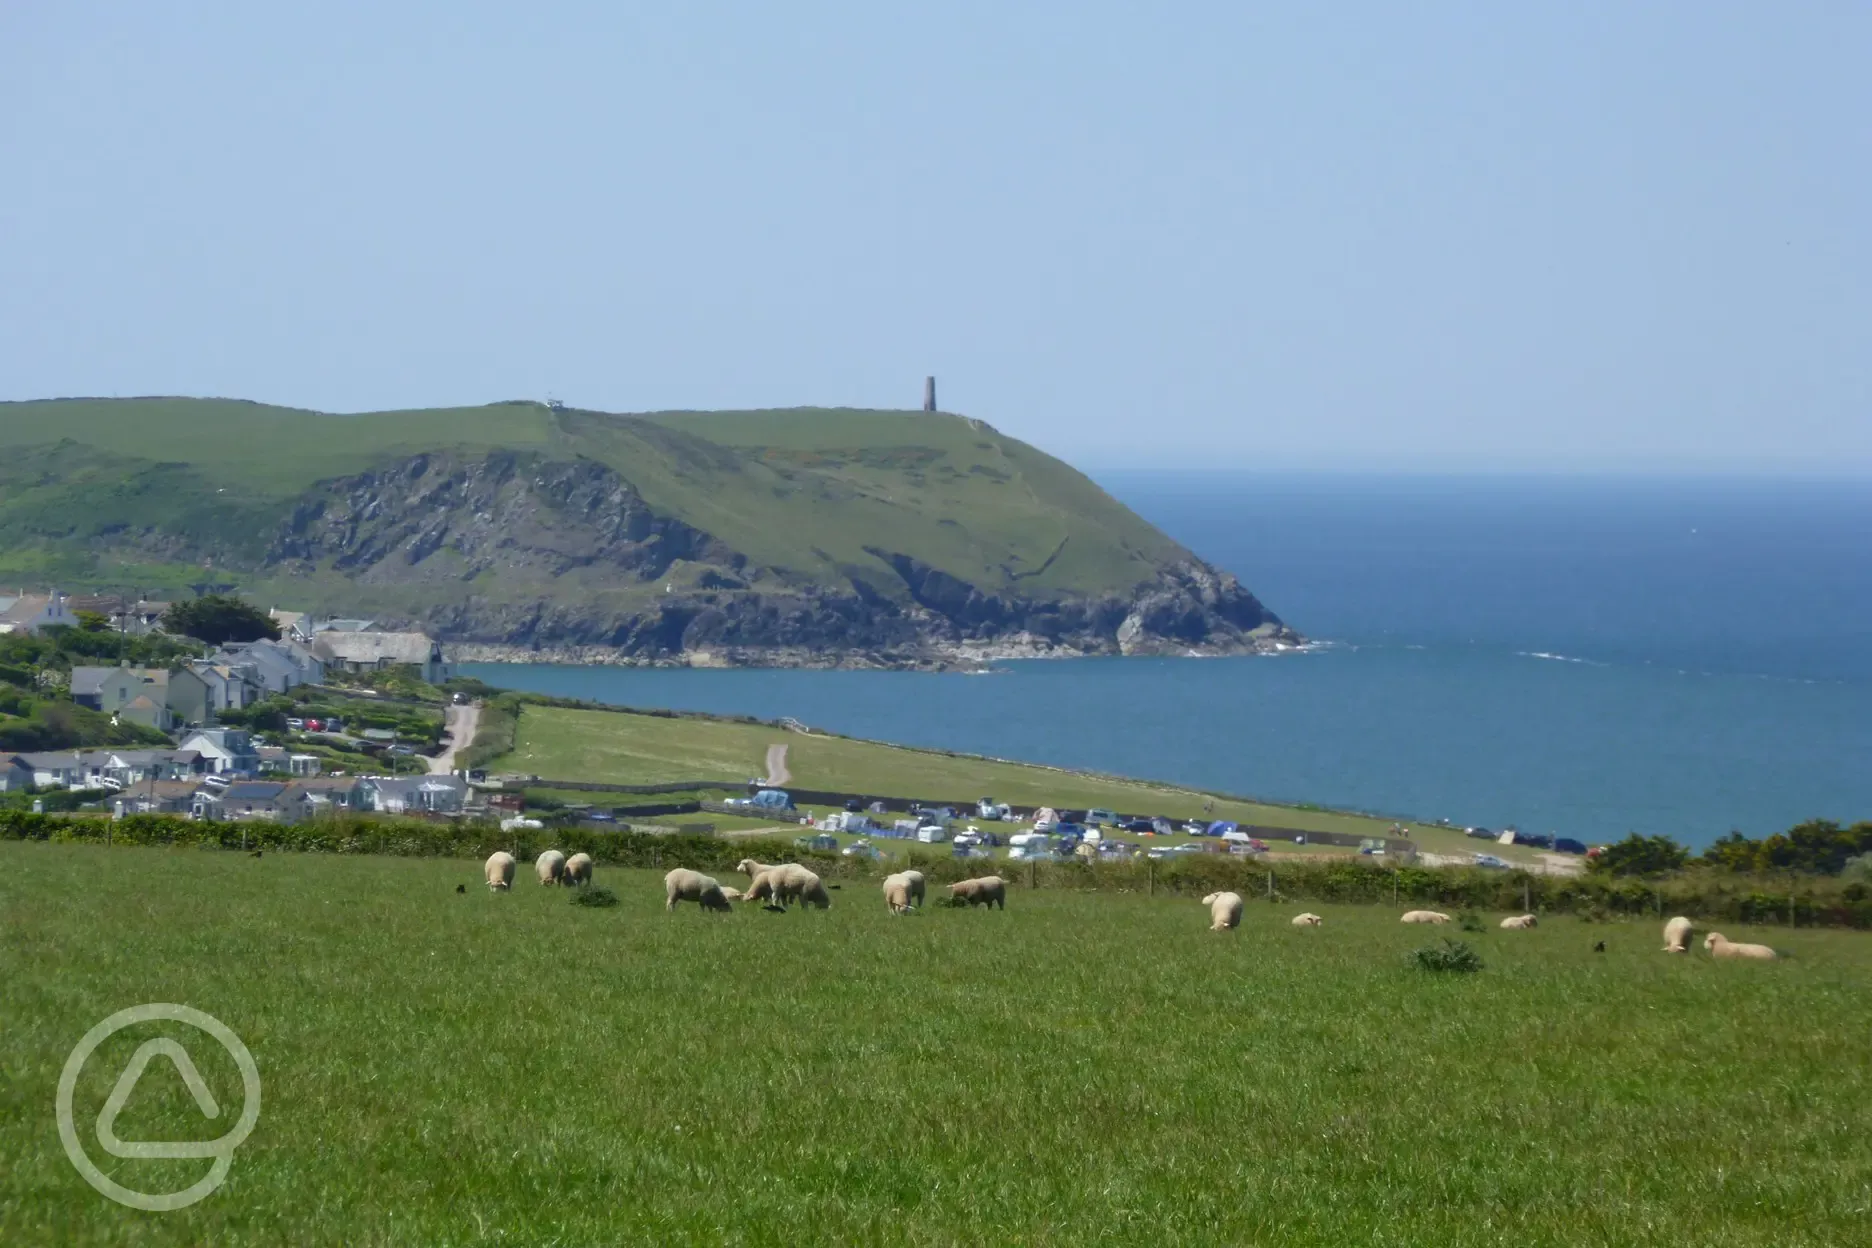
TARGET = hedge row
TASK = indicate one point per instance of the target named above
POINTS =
(1706, 895)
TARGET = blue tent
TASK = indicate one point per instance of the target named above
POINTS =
(1221, 826)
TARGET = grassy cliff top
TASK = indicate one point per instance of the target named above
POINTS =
(814, 491)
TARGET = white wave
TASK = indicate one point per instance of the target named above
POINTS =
(1558, 658)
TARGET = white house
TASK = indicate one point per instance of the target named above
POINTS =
(29, 613)
(223, 750)
(373, 652)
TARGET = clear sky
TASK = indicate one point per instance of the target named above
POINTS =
(1435, 235)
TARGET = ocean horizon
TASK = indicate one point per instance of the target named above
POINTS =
(1587, 656)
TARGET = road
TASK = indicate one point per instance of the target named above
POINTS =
(459, 723)
(777, 774)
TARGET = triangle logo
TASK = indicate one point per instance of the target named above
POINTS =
(126, 1084)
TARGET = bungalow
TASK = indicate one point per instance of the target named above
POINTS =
(244, 799)
(56, 769)
(224, 751)
(398, 795)
(373, 652)
(158, 797)
(276, 758)
(275, 666)
(132, 767)
(325, 795)
(135, 619)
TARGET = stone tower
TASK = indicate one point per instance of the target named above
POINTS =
(929, 394)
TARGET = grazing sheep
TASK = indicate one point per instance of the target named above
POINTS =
(812, 891)
(989, 890)
(1225, 911)
(578, 869)
(500, 870)
(915, 881)
(1425, 916)
(765, 886)
(733, 894)
(897, 894)
(1677, 934)
(550, 867)
(1307, 920)
(1721, 946)
(1519, 923)
(683, 884)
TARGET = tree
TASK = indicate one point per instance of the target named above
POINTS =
(218, 620)
(1641, 855)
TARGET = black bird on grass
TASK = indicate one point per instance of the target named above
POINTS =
(461, 888)
(256, 853)
(773, 909)
(1599, 948)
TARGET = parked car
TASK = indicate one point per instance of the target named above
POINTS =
(1489, 860)
(854, 805)
(823, 841)
(863, 849)
(295, 724)
(1196, 827)
(1175, 851)
(970, 851)
(1141, 826)
(1481, 834)
(1100, 818)
(1567, 845)
(932, 834)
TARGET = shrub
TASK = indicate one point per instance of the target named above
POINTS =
(1471, 923)
(596, 895)
(1455, 955)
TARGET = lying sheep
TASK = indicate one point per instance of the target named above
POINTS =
(578, 869)
(989, 890)
(1677, 934)
(897, 894)
(1307, 920)
(733, 894)
(915, 881)
(1425, 916)
(500, 870)
(683, 884)
(1225, 911)
(550, 867)
(1721, 946)
(1519, 923)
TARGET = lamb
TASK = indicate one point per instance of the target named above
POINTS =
(1425, 916)
(733, 894)
(1307, 920)
(1721, 946)
(1225, 911)
(1519, 923)
(500, 870)
(578, 869)
(683, 884)
(550, 867)
(1677, 934)
(989, 890)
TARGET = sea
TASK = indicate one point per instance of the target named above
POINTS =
(1586, 656)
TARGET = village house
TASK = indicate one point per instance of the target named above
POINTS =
(364, 652)
(31, 613)
(272, 666)
(224, 751)
(156, 797)
(16, 774)
(409, 795)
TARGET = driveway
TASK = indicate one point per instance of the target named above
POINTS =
(459, 723)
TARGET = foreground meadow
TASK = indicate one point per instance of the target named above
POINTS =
(444, 1068)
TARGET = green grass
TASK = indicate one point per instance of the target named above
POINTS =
(619, 747)
(459, 1069)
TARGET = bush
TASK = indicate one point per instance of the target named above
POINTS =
(595, 895)
(1455, 955)
(1471, 923)
(219, 620)
(1640, 855)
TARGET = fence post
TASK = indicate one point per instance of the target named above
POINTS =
(1152, 865)
(1526, 905)
(1030, 874)
(1270, 888)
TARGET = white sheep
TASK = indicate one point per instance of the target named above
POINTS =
(897, 894)
(1677, 934)
(683, 884)
(1307, 920)
(1519, 923)
(732, 894)
(500, 870)
(989, 890)
(916, 884)
(578, 869)
(809, 889)
(1721, 946)
(550, 867)
(1425, 916)
(1225, 911)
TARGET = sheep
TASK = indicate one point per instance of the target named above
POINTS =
(750, 868)
(1721, 946)
(550, 867)
(765, 886)
(500, 870)
(914, 879)
(1307, 920)
(812, 891)
(683, 884)
(897, 894)
(1225, 911)
(732, 894)
(1677, 934)
(989, 890)
(1519, 923)
(578, 869)
(1425, 916)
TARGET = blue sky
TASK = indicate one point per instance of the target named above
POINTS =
(1436, 236)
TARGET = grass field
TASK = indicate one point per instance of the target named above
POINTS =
(619, 747)
(455, 1069)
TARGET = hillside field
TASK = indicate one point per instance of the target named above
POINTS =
(443, 1068)
(621, 747)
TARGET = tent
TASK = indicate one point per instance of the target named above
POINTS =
(1223, 827)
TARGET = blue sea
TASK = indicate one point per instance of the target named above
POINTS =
(1585, 656)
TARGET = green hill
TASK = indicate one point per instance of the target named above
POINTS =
(789, 535)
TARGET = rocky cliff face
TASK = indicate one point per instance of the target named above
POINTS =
(519, 553)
